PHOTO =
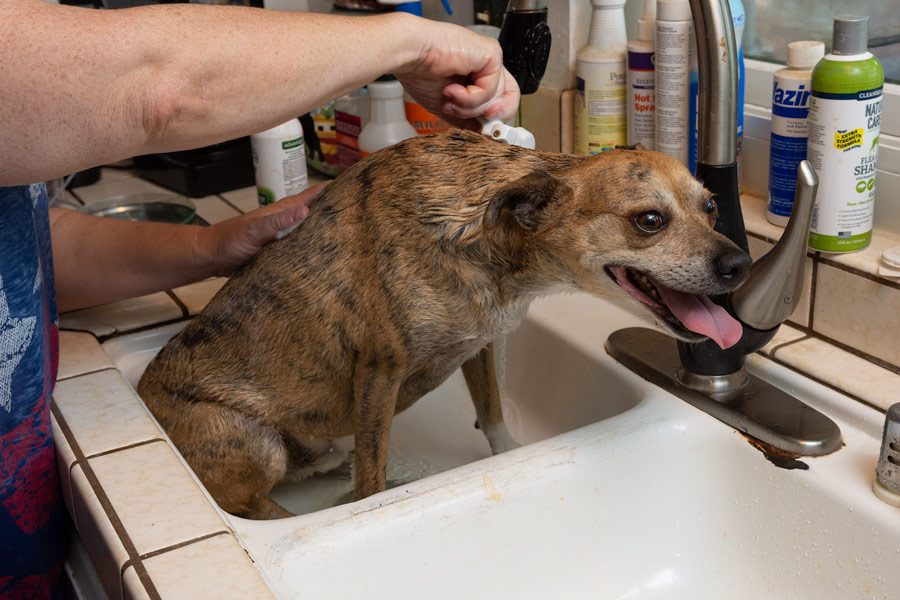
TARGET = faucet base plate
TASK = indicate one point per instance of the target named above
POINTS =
(756, 407)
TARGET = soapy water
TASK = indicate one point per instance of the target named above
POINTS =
(402, 469)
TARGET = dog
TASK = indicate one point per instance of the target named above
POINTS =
(406, 268)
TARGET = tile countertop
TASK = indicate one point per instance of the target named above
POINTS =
(148, 526)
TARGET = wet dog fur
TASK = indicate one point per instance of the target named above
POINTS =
(406, 268)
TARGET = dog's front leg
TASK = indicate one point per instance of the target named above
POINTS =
(376, 383)
(481, 378)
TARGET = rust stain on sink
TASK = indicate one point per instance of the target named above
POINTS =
(781, 458)
(490, 490)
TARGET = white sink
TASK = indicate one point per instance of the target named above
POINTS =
(622, 491)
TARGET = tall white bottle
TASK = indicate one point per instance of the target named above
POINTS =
(387, 122)
(790, 110)
(279, 160)
(600, 81)
(673, 35)
(641, 98)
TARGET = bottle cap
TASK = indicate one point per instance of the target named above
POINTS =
(890, 262)
(804, 55)
(387, 77)
(851, 35)
(673, 10)
(647, 22)
(607, 3)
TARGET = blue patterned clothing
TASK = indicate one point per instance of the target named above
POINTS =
(33, 531)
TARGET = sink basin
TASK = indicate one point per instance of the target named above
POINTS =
(437, 433)
(620, 491)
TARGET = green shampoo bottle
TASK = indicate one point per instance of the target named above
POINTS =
(844, 123)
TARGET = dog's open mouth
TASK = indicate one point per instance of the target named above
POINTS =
(685, 312)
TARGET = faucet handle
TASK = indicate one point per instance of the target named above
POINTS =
(775, 283)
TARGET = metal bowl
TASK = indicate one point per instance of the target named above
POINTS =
(146, 206)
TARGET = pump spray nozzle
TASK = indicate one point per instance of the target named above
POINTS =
(501, 132)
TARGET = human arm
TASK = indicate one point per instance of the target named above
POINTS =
(87, 87)
(98, 260)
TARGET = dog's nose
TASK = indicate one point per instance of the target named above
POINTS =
(733, 265)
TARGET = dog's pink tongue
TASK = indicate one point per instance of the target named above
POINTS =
(700, 315)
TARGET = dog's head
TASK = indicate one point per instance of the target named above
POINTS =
(637, 218)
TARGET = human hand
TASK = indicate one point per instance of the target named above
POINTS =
(230, 244)
(460, 75)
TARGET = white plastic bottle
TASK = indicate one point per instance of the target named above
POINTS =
(600, 81)
(673, 34)
(738, 20)
(693, 100)
(641, 98)
(279, 160)
(790, 109)
(387, 123)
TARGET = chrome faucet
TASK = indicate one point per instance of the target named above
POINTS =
(703, 374)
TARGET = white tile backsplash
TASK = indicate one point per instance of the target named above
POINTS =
(858, 312)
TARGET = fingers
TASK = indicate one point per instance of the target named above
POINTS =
(461, 76)
(286, 214)
(297, 200)
(502, 105)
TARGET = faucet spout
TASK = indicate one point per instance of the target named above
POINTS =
(775, 284)
(717, 109)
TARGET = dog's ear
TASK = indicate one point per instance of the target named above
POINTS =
(637, 146)
(526, 200)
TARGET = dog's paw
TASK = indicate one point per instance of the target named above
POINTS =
(344, 470)
(499, 438)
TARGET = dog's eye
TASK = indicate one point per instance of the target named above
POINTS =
(711, 208)
(649, 222)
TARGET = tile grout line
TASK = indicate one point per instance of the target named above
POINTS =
(75, 463)
(128, 447)
(77, 197)
(229, 203)
(815, 335)
(110, 511)
(153, 553)
(118, 333)
(185, 313)
(812, 291)
(887, 366)
(825, 260)
(860, 273)
(761, 237)
(788, 343)
(825, 383)
(91, 372)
